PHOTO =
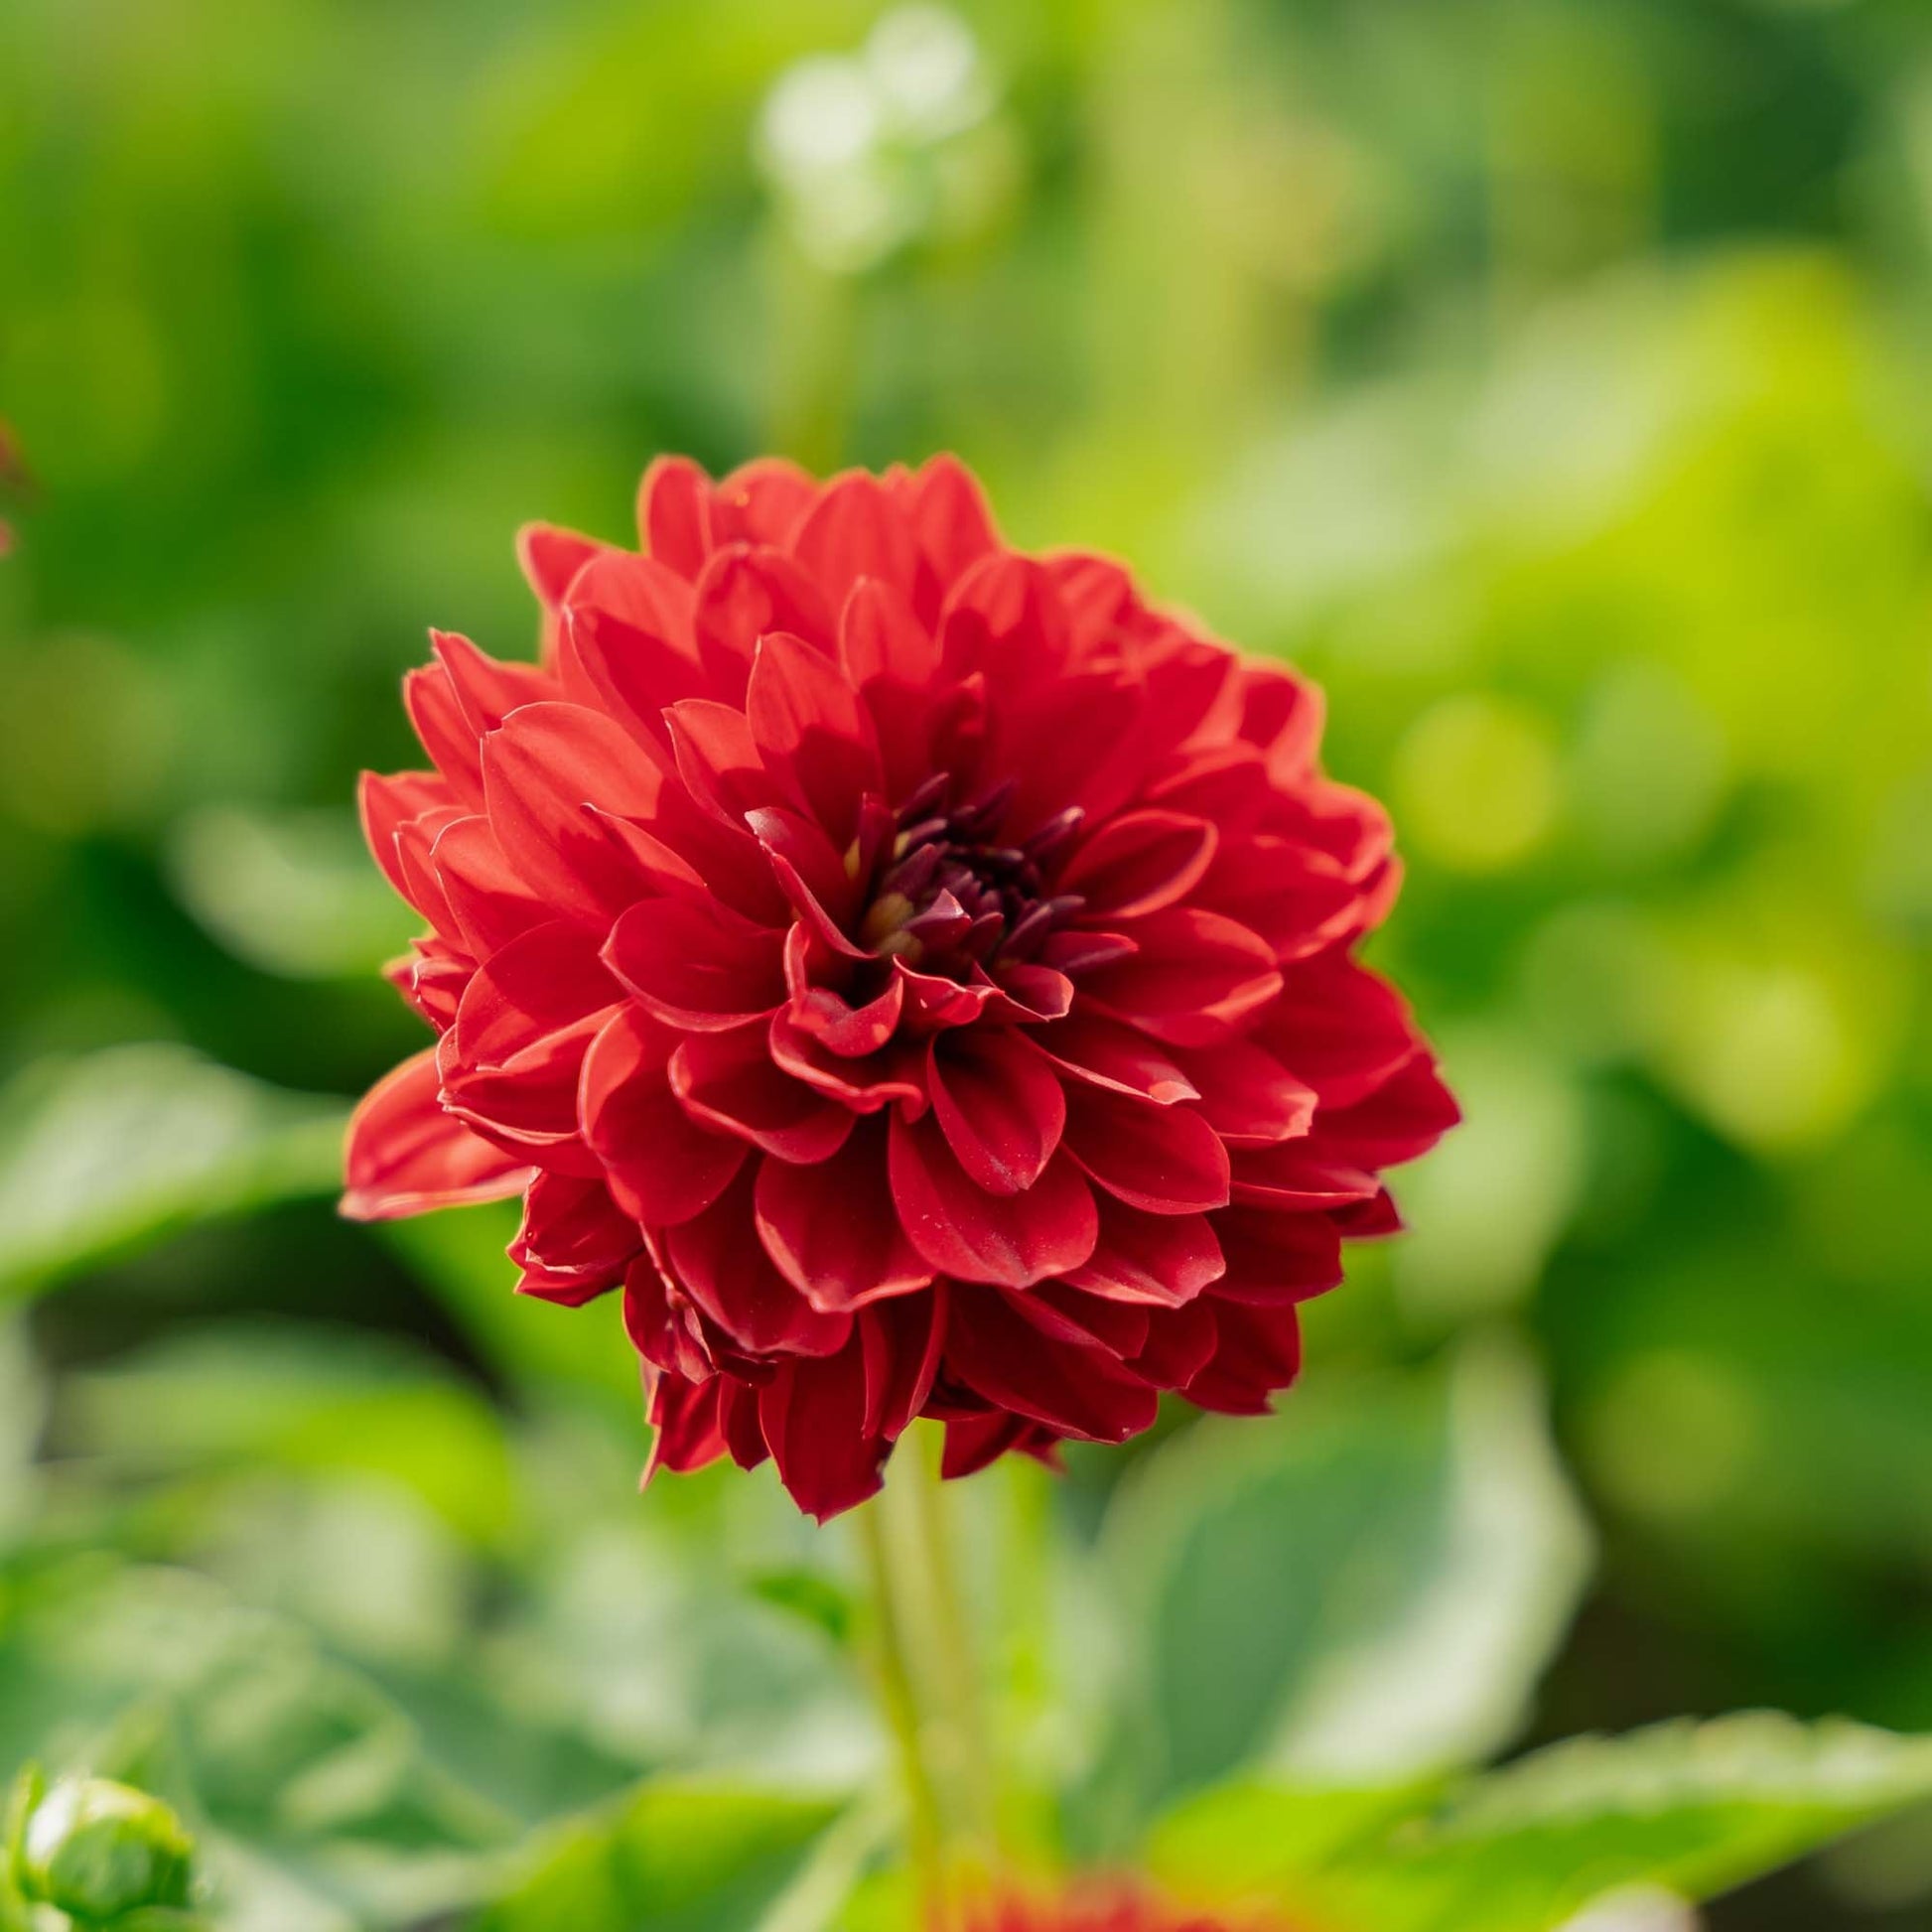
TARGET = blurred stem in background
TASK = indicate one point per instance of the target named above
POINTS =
(928, 1675)
(900, 1705)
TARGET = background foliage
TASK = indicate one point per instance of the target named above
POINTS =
(1545, 376)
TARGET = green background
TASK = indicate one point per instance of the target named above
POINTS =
(1545, 378)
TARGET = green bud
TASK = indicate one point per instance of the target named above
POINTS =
(99, 1852)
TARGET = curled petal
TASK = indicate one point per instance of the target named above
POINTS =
(728, 1080)
(965, 1232)
(405, 1155)
(662, 1167)
(717, 1259)
(697, 966)
(1139, 862)
(999, 1104)
(1195, 977)
(832, 1230)
(1162, 1159)
(814, 1416)
(575, 1242)
(1072, 1388)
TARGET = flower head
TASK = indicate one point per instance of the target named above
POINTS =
(916, 973)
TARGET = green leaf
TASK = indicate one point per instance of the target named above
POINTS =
(160, 1680)
(1691, 1809)
(1361, 1590)
(100, 1153)
(673, 1856)
(249, 1397)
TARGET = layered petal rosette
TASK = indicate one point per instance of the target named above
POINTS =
(915, 974)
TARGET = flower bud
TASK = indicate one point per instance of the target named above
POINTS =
(99, 1852)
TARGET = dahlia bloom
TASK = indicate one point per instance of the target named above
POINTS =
(917, 974)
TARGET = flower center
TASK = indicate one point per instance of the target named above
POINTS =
(954, 896)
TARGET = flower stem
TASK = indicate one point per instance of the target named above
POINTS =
(924, 1829)
(955, 1662)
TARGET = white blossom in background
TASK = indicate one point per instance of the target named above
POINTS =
(1639, 1909)
(897, 142)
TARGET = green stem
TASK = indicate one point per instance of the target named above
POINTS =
(953, 1652)
(901, 1703)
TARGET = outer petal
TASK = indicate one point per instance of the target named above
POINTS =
(405, 1155)
(1071, 1389)
(814, 1414)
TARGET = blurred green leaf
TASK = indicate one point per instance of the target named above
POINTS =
(159, 1679)
(671, 1857)
(1363, 1588)
(106, 1153)
(293, 895)
(1694, 1809)
(295, 1397)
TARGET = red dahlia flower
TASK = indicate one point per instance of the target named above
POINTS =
(916, 972)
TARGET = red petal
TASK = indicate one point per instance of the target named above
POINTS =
(1014, 1239)
(674, 514)
(1397, 1122)
(809, 723)
(1080, 1391)
(1106, 1053)
(405, 1155)
(1301, 1173)
(1275, 1258)
(697, 965)
(1005, 619)
(832, 1230)
(446, 735)
(955, 528)
(814, 1414)
(690, 1433)
(1257, 1351)
(718, 759)
(1161, 1259)
(551, 557)
(865, 1083)
(728, 1080)
(541, 982)
(745, 595)
(662, 1166)
(1139, 862)
(387, 803)
(855, 530)
(1166, 1160)
(717, 1258)
(1180, 1342)
(1247, 1095)
(542, 768)
(488, 903)
(1194, 978)
(575, 1242)
(761, 502)
(1344, 1031)
(902, 1341)
(999, 1104)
